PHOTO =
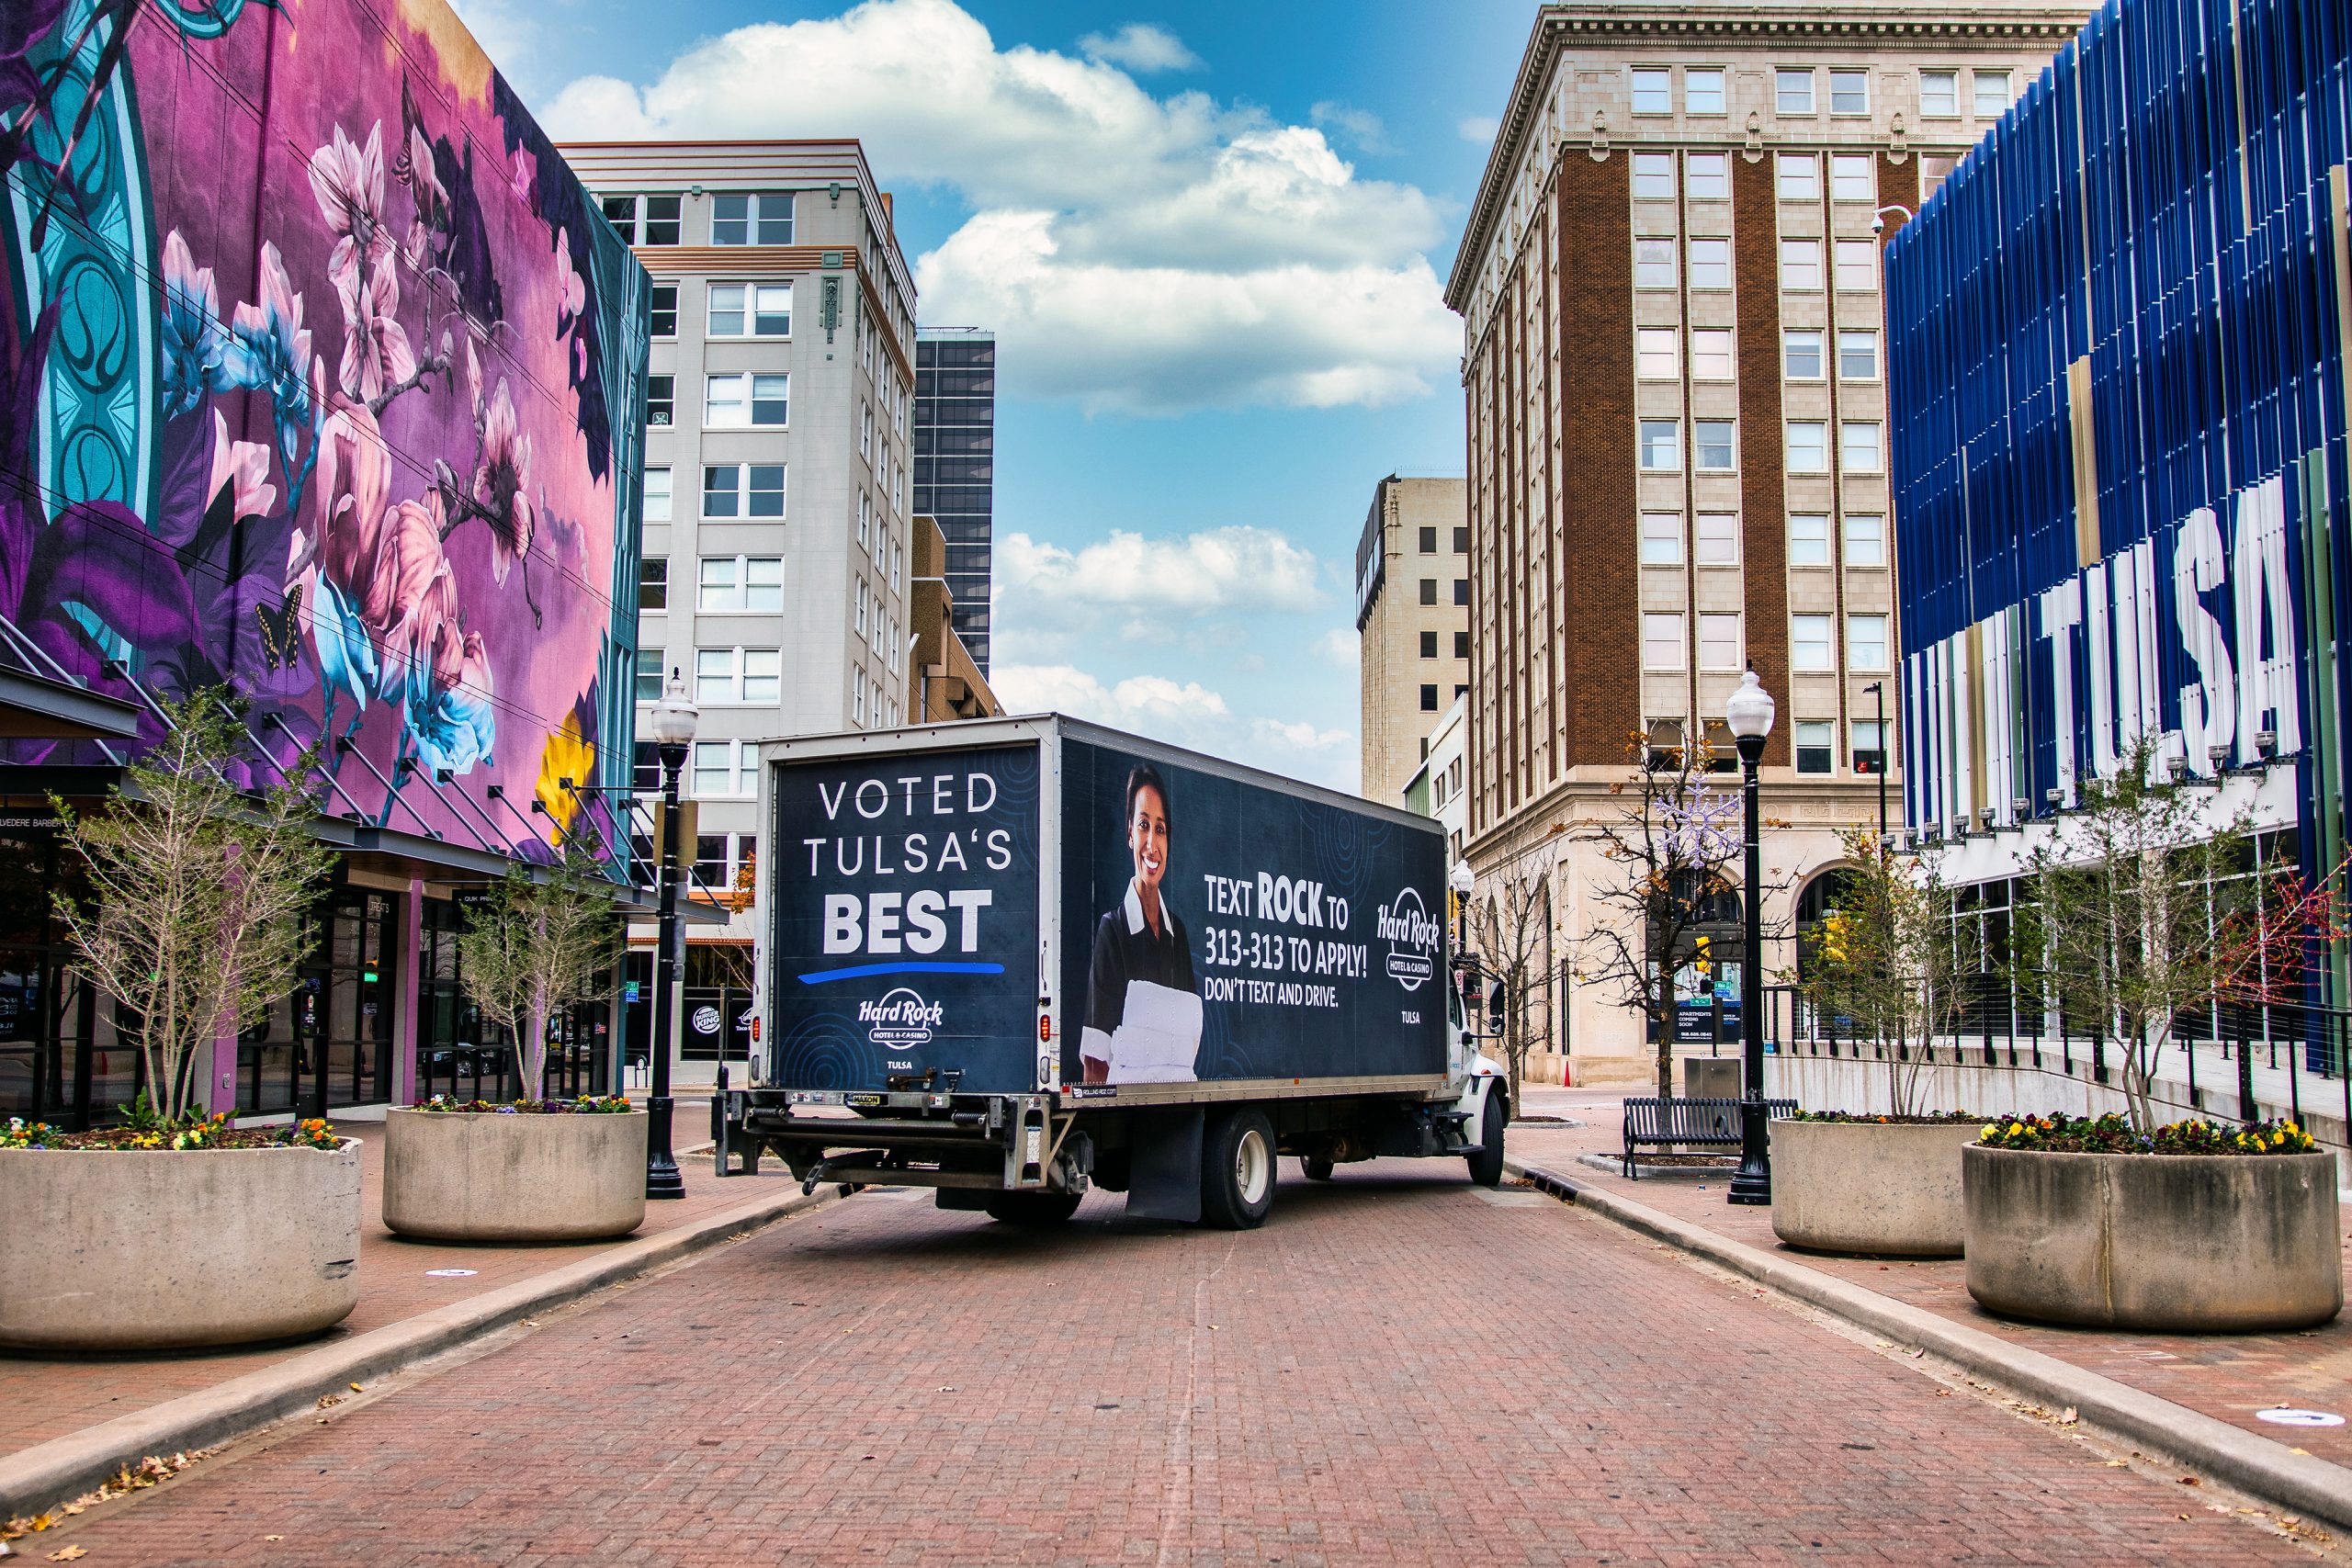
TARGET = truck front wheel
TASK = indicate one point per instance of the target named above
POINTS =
(1036, 1210)
(1238, 1170)
(1486, 1165)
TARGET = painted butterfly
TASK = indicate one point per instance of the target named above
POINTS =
(281, 633)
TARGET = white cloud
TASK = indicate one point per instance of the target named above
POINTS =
(1196, 574)
(1360, 127)
(1343, 645)
(1185, 715)
(1132, 251)
(1478, 127)
(1141, 48)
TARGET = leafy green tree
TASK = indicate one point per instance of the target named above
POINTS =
(1889, 960)
(535, 946)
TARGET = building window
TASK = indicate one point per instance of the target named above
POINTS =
(657, 495)
(1707, 176)
(1934, 169)
(1428, 645)
(1462, 592)
(1710, 264)
(1429, 590)
(1462, 541)
(715, 678)
(620, 211)
(1809, 645)
(1808, 447)
(1461, 645)
(766, 497)
(1429, 699)
(1856, 265)
(1653, 264)
(1792, 90)
(1799, 176)
(771, 309)
(665, 309)
(1703, 89)
(1857, 356)
(1870, 747)
(1661, 641)
(723, 581)
(1800, 265)
(1713, 446)
(722, 489)
(726, 402)
(1653, 90)
(763, 309)
(726, 318)
(1865, 540)
(741, 582)
(649, 690)
(1718, 642)
(1858, 447)
(1849, 90)
(1853, 176)
(1808, 539)
(762, 217)
(726, 768)
(1992, 94)
(1658, 355)
(661, 401)
(1866, 642)
(662, 224)
(1940, 93)
(1661, 445)
(1801, 354)
(644, 220)
(1653, 176)
(1718, 538)
(1710, 354)
(653, 584)
(762, 676)
(1817, 746)
(742, 489)
(1428, 541)
(1661, 539)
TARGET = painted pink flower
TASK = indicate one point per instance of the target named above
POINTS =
(502, 484)
(413, 168)
(411, 597)
(575, 288)
(355, 469)
(376, 352)
(524, 175)
(241, 468)
(348, 182)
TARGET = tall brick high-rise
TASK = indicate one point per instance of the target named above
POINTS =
(1674, 369)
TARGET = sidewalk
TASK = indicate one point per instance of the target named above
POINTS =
(42, 1400)
(2227, 1376)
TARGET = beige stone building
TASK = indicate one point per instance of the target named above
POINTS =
(1412, 614)
(948, 683)
(1678, 432)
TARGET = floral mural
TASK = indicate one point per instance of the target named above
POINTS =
(313, 369)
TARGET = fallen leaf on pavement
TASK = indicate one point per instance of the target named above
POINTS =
(69, 1554)
(2067, 1416)
(356, 1389)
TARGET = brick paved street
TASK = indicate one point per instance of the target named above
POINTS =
(1399, 1369)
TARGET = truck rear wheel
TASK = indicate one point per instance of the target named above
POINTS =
(1238, 1170)
(1486, 1165)
(1317, 1170)
(1037, 1209)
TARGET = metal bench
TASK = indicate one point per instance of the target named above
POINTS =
(1668, 1123)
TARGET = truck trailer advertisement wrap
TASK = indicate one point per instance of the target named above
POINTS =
(1218, 930)
(905, 927)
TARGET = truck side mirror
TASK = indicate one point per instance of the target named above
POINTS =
(1495, 1008)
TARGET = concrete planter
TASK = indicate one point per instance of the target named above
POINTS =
(1890, 1190)
(163, 1249)
(483, 1176)
(2168, 1242)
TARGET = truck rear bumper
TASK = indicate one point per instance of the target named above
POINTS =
(1008, 1142)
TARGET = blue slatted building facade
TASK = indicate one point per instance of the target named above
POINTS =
(2118, 342)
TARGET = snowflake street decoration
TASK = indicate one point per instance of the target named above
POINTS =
(1703, 825)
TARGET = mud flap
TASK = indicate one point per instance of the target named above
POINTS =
(1165, 1179)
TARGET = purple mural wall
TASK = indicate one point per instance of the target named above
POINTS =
(318, 377)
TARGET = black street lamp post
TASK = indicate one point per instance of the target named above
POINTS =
(1878, 690)
(673, 732)
(1749, 716)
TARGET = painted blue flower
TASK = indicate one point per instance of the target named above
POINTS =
(271, 351)
(346, 653)
(452, 726)
(196, 345)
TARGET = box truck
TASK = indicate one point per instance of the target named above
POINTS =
(1014, 959)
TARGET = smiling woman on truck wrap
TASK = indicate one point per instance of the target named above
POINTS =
(1143, 1009)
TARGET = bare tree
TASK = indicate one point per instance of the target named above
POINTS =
(194, 917)
(2150, 901)
(535, 946)
(1673, 849)
(1510, 929)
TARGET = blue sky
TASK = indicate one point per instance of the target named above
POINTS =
(1210, 237)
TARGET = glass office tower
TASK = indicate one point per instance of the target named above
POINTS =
(955, 465)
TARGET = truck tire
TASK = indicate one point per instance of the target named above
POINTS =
(1486, 1165)
(1238, 1170)
(1317, 1170)
(1033, 1210)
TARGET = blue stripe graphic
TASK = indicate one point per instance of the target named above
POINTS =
(863, 970)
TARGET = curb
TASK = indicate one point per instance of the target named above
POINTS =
(2302, 1485)
(38, 1477)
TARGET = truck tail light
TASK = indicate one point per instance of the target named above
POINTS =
(1044, 1029)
